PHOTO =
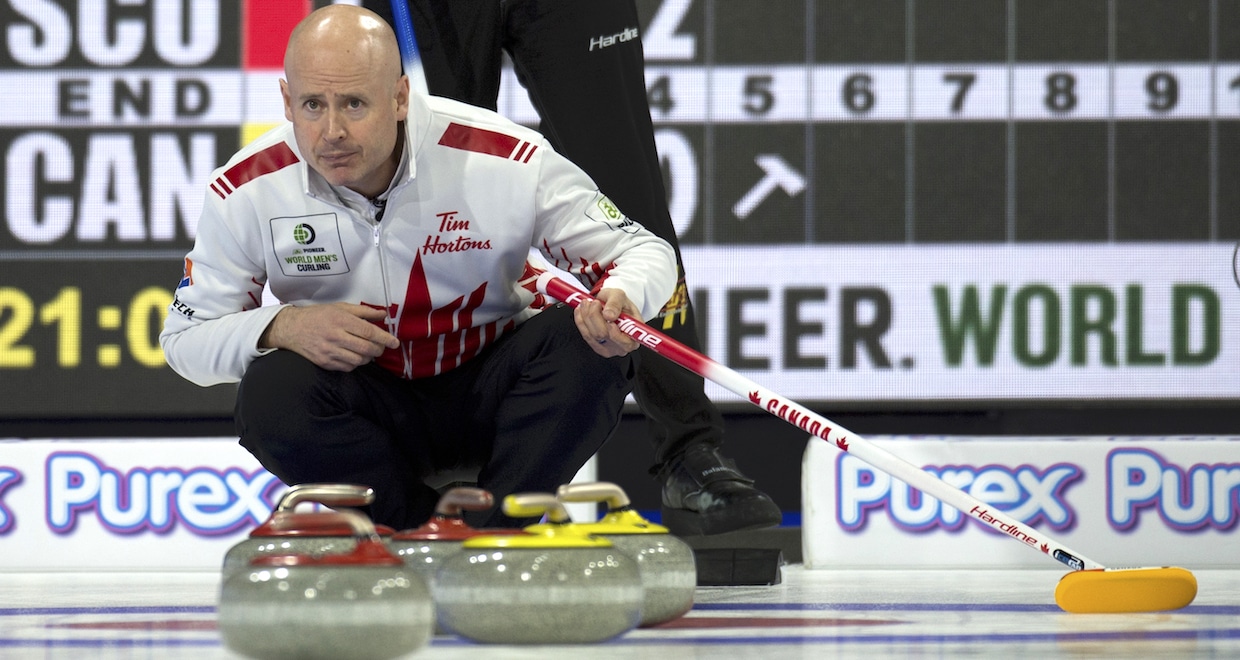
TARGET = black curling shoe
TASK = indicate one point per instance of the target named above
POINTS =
(704, 494)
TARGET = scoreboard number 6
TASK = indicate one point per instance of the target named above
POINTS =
(858, 93)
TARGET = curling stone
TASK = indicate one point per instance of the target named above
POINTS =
(287, 530)
(361, 603)
(558, 585)
(668, 570)
(424, 548)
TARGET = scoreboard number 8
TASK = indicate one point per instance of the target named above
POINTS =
(1060, 92)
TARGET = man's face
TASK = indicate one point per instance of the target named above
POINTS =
(345, 117)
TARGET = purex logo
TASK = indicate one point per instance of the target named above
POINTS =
(204, 500)
(8, 477)
(1024, 493)
(1200, 497)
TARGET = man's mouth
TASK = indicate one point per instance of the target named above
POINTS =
(335, 158)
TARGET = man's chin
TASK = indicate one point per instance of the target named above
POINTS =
(338, 175)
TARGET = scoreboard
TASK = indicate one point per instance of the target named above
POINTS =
(879, 201)
(117, 114)
(931, 121)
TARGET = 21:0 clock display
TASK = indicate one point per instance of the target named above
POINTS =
(88, 342)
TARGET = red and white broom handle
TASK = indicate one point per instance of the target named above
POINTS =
(807, 420)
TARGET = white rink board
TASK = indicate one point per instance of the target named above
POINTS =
(164, 504)
(145, 504)
(1121, 501)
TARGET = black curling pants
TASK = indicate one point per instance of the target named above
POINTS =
(529, 411)
(591, 99)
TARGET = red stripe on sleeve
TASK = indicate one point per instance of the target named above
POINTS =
(275, 157)
(480, 140)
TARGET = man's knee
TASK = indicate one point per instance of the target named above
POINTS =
(279, 396)
(584, 367)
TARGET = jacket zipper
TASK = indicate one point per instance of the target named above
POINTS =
(389, 320)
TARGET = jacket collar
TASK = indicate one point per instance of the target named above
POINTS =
(417, 129)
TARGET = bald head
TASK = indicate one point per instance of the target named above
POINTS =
(357, 35)
(344, 93)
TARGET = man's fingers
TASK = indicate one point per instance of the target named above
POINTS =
(613, 308)
(337, 336)
(369, 331)
(366, 312)
(604, 337)
(377, 337)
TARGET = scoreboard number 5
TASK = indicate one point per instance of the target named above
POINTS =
(759, 97)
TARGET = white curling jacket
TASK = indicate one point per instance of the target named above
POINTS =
(447, 260)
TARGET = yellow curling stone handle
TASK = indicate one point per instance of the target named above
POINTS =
(559, 532)
(619, 519)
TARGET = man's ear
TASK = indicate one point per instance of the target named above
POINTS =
(288, 100)
(402, 98)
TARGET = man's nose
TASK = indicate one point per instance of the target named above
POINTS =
(336, 126)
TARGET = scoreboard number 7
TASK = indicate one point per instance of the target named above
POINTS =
(962, 81)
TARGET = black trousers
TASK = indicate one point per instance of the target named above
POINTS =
(591, 100)
(529, 411)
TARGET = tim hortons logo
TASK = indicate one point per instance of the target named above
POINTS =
(448, 222)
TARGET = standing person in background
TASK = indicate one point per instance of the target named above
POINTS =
(584, 68)
(394, 228)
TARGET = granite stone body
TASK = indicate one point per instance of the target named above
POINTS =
(668, 574)
(539, 595)
(328, 613)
